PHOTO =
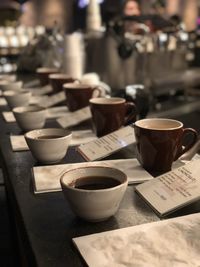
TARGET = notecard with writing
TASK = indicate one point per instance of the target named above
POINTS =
(8, 116)
(41, 91)
(172, 190)
(3, 102)
(56, 112)
(37, 99)
(74, 118)
(32, 83)
(53, 100)
(108, 144)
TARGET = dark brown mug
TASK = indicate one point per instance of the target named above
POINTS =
(110, 114)
(57, 80)
(78, 95)
(43, 74)
(159, 142)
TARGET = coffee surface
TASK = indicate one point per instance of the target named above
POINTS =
(49, 136)
(95, 183)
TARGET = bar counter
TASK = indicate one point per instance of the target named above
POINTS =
(44, 222)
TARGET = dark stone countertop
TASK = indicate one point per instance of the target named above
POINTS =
(45, 222)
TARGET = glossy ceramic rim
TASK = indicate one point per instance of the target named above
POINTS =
(46, 70)
(11, 93)
(47, 131)
(140, 124)
(28, 109)
(59, 76)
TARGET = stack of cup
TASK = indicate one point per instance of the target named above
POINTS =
(74, 57)
(93, 20)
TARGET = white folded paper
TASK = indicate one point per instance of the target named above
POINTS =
(173, 242)
(3, 102)
(47, 178)
(53, 100)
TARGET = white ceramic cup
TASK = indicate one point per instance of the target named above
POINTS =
(6, 85)
(30, 117)
(52, 148)
(17, 98)
(94, 205)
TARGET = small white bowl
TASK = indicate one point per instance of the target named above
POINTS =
(51, 149)
(7, 85)
(17, 98)
(94, 205)
(30, 117)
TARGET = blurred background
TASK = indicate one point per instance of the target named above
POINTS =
(153, 43)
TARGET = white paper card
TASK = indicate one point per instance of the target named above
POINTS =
(18, 142)
(37, 99)
(8, 116)
(173, 189)
(53, 100)
(57, 112)
(75, 117)
(57, 109)
(47, 178)
(41, 90)
(173, 242)
(3, 102)
(107, 144)
(31, 83)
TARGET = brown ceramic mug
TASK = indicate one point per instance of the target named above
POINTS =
(78, 95)
(109, 114)
(57, 80)
(160, 142)
(43, 74)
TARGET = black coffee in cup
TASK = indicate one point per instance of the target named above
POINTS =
(95, 183)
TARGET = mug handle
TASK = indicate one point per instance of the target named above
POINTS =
(194, 135)
(99, 91)
(131, 112)
(77, 81)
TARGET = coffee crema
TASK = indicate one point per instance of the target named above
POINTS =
(49, 137)
(95, 183)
